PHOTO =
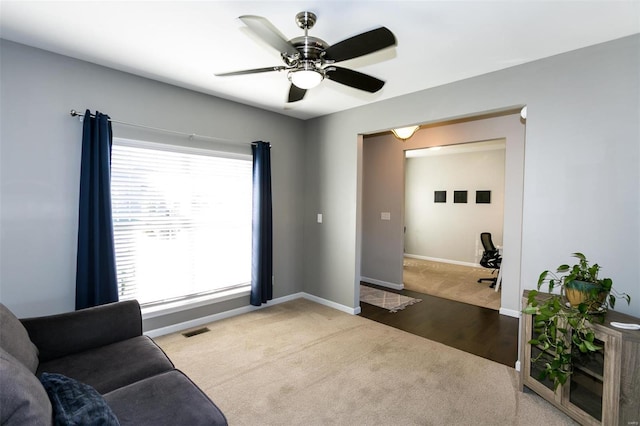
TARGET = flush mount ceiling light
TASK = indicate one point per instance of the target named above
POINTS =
(404, 133)
(305, 78)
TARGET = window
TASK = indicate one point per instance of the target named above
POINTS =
(182, 221)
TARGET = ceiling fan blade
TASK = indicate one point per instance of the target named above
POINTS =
(361, 44)
(296, 94)
(269, 33)
(354, 79)
(253, 71)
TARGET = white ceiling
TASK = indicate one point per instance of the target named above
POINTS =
(461, 148)
(185, 43)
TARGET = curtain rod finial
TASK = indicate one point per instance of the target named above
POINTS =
(75, 113)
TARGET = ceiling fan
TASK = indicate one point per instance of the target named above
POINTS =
(309, 60)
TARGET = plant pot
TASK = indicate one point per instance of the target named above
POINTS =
(578, 292)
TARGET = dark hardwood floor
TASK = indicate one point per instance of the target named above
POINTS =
(480, 331)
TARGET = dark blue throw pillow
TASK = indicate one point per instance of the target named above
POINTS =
(76, 403)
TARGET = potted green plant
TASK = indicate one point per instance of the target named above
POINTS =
(562, 319)
(582, 284)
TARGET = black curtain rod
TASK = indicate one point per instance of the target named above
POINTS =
(75, 113)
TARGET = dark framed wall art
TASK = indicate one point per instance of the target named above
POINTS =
(459, 196)
(483, 197)
(439, 196)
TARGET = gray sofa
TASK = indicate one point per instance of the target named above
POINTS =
(93, 366)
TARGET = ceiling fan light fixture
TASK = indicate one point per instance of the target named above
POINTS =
(404, 133)
(305, 79)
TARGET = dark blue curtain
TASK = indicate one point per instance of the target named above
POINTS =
(262, 229)
(96, 282)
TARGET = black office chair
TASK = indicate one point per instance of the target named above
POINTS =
(491, 258)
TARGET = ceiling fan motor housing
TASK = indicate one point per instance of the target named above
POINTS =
(310, 47)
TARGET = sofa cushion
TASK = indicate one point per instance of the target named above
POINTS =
(112, 366)
(75, 403)
(23, 400)
(77, 331)
(169, 398)
(15, 340)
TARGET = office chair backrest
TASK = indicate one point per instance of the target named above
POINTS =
(485, 237)
(490, 257)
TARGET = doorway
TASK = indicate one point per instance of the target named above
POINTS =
(453, 193)
(382, 212)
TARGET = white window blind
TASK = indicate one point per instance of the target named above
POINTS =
(182, 221)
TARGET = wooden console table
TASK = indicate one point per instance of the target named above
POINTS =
(604, 388)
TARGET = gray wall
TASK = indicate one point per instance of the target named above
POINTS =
(40, 167)
(382, 191)
(581, 172)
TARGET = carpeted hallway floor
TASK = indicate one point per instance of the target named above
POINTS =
(449, 281)
(301, 363)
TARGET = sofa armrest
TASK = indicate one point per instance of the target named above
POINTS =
(64, 334)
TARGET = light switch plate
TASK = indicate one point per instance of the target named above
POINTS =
(319, 217)
(385, 215)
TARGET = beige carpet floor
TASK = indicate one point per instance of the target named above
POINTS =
(301, 363)
(453, 282)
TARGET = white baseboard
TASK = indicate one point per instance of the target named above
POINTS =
(175, 328)
(329, 303)
(382, 283)
(435, 259)
(510, 312)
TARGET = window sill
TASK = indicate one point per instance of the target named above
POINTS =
(183, 305)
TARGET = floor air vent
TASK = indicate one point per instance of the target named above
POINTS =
(195, 332)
